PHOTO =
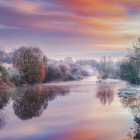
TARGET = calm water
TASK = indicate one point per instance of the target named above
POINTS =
(80, 110)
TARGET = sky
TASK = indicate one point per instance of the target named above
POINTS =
(85, 29)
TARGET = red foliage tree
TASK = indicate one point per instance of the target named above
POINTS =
(32, 62)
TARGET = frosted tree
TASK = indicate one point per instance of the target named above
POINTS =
(32, 62)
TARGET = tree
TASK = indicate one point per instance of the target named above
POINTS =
(32, 62)
(107, 68)
(104, 67)
(130, 64)
(128, 72)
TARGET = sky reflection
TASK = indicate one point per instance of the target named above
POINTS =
(78, 116)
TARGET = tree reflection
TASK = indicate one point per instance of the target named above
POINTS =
(3, 118)
(35, 99)
(31, 104)
(105, 95)
(133, 105)
(136, 128)
(135, 135)
(4, 99)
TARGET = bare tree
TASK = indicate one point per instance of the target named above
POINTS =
(106, 68)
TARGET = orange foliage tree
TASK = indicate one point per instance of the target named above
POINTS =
(31, 62)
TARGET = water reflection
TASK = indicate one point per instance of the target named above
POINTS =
(4, 99)
(135, 135)
(76, 117)
(136, 128)
(31, 104)
(35, 99)
(29, 101)
(3, 118)
(105, 94)
(133, 105)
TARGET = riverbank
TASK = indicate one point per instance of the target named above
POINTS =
(6, 84)
(129, 91)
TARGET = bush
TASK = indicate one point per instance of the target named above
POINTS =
(54, 72)
(66, 72)
(4, 75)
(87, 70)
(17, 77)
(5, 78)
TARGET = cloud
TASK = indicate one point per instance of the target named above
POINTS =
(25, 5)
(90, 21)
(93, 8)
(93, 15)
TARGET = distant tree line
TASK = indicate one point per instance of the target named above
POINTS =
(66, 70)
(31, 66)
(28, 65)
(128, 68)
(84, 62)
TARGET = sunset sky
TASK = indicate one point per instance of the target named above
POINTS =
(77, 28)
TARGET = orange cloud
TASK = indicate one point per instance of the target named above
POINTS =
(93, 8)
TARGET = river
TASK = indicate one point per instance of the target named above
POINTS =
(75, 110)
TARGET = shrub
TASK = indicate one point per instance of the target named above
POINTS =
(4, 73)
(54, 72)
